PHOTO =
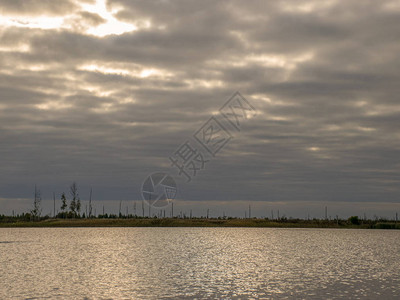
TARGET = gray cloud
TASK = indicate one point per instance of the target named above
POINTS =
(36, 7)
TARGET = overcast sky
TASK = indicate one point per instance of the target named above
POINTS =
(103, 93)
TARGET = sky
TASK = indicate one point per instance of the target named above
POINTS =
(103, 93)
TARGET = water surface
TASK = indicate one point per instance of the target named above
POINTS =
(186, 263)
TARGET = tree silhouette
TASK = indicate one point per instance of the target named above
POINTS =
(36, 211)
(75, 205)
(63, 203)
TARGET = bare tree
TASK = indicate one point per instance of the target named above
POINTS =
(37, 210)
(90, 204)
(78, 207)
(72, 207)
(75, 205)
(54, 205)
(63, 203)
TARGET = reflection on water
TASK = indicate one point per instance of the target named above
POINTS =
(159, 263)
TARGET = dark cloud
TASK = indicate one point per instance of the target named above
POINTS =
(91, 18)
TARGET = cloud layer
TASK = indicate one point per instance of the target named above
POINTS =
(103, 93)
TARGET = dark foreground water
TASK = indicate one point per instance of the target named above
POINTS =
(186, 263)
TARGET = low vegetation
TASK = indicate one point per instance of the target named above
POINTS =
(25, 220)
(70, 216)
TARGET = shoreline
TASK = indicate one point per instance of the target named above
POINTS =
(175, 222)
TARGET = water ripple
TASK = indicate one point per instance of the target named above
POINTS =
(202, 263)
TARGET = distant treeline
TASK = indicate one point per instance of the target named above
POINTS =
(135, 221)
(70, 220)
(71, 209)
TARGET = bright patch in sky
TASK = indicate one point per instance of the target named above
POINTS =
(280, 61)
(307, 6)
(32, 22)
(20, 48)
(53, 105)
(143, 73)
(149, 72)
(112, 25)
(314, 149)
(104, 70)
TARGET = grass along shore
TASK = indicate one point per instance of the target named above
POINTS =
(200, 222)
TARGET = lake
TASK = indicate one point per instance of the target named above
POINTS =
(203, 263)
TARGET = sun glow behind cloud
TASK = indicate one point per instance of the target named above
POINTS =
(74, 21)
(112, 25)
(41, 22)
